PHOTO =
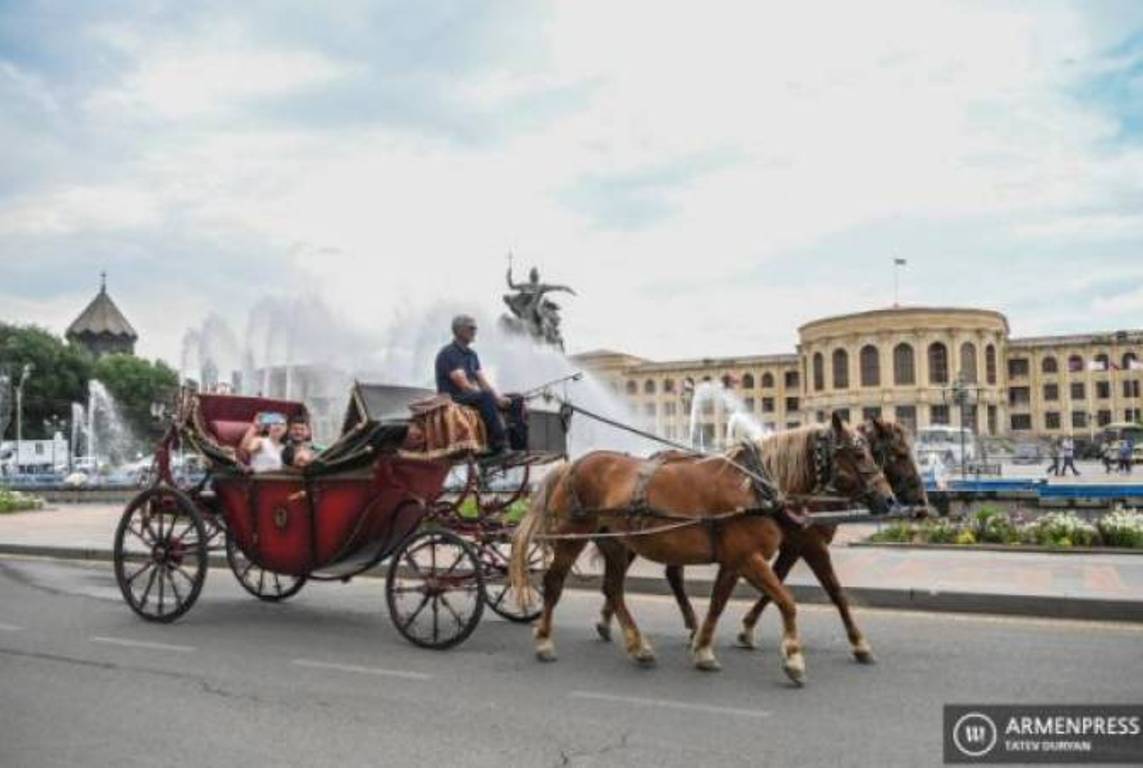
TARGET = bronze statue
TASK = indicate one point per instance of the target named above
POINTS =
(534, 313)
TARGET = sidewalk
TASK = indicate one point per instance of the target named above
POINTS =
(1087, 586)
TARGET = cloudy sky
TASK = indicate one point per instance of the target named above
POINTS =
(707, 176)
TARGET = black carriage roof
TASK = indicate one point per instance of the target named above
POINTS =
(381, 403)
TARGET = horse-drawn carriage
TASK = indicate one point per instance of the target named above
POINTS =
(368, 497)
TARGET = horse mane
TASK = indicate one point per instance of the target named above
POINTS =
(788, 458)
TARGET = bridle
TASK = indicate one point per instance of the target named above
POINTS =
(826, 449)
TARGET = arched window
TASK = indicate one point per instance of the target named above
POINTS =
(819, 372)
(649, 387)
(767, 380)
(727, 381)
(870, 366)
(968, 362)
(1075, 363)
(903, 369)
(990, 364)
(1049, 365)
(840, 369)
(938, 363)
(1130, 361)
(632, 388)
(1104, 361)
(748, 381)
(669, 386)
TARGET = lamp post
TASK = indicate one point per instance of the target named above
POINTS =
(24, 374)
(962, 394)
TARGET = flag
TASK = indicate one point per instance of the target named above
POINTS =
(900, 262)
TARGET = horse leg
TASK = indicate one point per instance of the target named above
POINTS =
(817, 557)
(757, 571)
(564, 557)
(674, 575)
(787, 556)
(614, 574)
(701, 650)
(603, 626)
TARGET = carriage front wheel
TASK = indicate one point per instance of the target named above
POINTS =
(265, 585)
(435, 589)
(160, 554)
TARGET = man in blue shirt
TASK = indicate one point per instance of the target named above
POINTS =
(459, 375)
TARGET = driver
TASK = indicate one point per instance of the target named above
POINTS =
(459, 375)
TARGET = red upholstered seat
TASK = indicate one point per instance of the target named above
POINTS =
(229, 432)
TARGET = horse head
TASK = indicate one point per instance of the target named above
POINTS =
(889, 443)
(845, 465)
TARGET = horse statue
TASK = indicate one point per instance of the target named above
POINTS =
(683, 510)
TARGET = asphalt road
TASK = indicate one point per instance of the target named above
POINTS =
(325, 680)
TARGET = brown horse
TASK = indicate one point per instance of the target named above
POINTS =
(890, 447)
(682, 511)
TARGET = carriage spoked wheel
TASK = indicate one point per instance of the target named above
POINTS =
(160, 554)
(263, 584)
(499, 593)
(435, 589)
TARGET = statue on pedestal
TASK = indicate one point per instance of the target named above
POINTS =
(532, 312)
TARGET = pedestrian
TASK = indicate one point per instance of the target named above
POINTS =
(1068, 451)
(1126, 453)
(1054, 467)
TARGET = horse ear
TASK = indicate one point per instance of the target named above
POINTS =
(837, 423)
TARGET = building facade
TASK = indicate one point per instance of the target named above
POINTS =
(918, 366)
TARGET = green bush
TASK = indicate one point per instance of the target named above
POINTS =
(992, 526)
(1061, 529)
(1122, 528)
(14, 501)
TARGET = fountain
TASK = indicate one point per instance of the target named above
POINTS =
(100, 429)
(714, 399)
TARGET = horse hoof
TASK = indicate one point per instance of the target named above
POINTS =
(706, 661)
(795, 669)
(644, 657)
(604, 631)
(745, 640)
(863, 653)
(546, 652)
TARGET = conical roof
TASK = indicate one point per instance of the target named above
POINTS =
(102, 317)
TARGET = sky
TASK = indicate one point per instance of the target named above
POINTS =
(706, 176)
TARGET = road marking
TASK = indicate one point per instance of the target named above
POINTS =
(668, 704)
(9, 627)
(142, 644)
(310, 663)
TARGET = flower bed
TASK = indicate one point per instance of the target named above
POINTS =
(1061, 530)
(14, 501)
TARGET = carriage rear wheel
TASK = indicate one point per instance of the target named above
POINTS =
(263, 584)
(499, 593)
(160, 554)
(435, 589)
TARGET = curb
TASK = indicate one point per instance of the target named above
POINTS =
(1029, 549)
(1043, 606)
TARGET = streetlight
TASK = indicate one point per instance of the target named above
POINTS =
(962, 394)
(24, 374)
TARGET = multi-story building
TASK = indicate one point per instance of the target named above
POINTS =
(904, 364)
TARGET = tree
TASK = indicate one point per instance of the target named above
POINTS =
(135, 384)
(59, 376)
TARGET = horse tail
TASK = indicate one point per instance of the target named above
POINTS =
(534, 521)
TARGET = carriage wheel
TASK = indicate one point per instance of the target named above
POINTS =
(263, 584)
(435, 589)
(499, 593)
(160, 554)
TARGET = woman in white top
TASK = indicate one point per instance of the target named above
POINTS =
(263, 442)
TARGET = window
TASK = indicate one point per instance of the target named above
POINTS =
(1079, 419)
(728, 381)
(768, 381)
(1103, 389)
(1130, 361)
(791, 404)
(990, 366)
(748, 381)
(992, 419)
(1049, 365)
(820, 416)
(968, 362)
(1075, 363)
(1078, 390)
(1021, 421)
(938, 414)
(791, 380)
(1052, 420)
(1051, 391)
(632, 388)
(1103, 361)
(1129, 414)
(870, 366)
(649, 387)
(793, 424)
(1131, 388)
(1104, 418)
(819, 372)
(906, 415)
(938, 363)
(1018, 396)
(748, 404)
(843, 413)
(969, 417)
(669, 386)
(871, 412)
(1018, 366)
(840, 369)
(903, 365)
(767, 405)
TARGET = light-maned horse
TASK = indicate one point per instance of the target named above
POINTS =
(603, 493)
(891, 449)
